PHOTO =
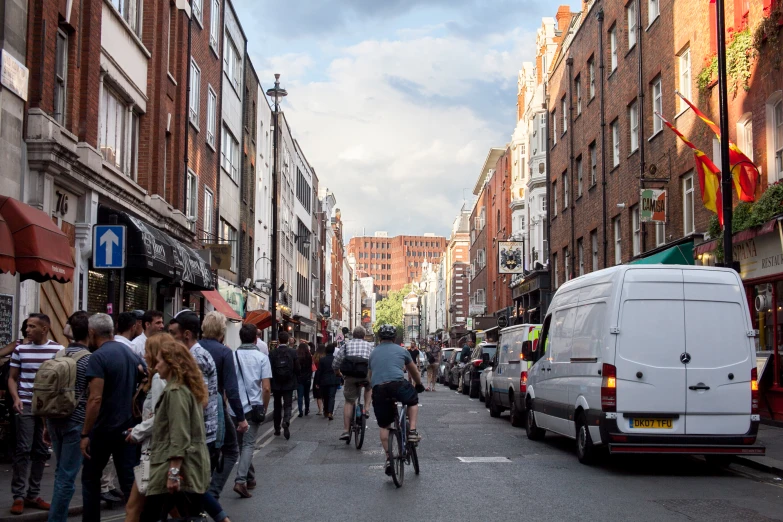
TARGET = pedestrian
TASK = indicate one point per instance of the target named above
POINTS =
(464, 355)
(151, 323)
(142, 432)
(30, 446)
(179, 460)
(327, 380)
(414, 353)
(126, 329)
(254, 374)
(113, 374)
(213, 334)
(260, 343)
(304, 378)
(319, 353)
(64, 432)
(433, 365)
(352, 365)
(285, 367)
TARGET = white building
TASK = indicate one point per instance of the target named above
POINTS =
(328, 202)
(304, 242)
(263, 224)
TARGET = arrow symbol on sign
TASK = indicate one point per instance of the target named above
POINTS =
(109, 239)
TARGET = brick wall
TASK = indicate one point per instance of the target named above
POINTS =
(498, 228)
(479, 280)
(248, 184)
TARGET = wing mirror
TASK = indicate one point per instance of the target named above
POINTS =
(485, 358)
(527, 351)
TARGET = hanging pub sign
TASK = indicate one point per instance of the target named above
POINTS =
(510, 257)
(653, 206)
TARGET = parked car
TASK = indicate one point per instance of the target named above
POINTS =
(510, 373)
(471, 371)
(444, 359)
(456, 364)
(485, 380)
(621, 366)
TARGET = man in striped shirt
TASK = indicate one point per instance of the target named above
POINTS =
(25, 361)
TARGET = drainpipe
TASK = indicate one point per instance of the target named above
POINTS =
(240, 247)
(187, 112)
(573, 194)
(600, 17)
(548, 183)
(642, 140)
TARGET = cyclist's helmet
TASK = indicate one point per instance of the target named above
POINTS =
(387, 331)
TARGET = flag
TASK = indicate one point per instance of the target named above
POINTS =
(746, 175)
(709, 175)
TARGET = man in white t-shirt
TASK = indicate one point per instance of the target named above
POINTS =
(151, 323)
(260, 344)
(125, 330)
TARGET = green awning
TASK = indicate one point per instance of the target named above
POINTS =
(676, 255)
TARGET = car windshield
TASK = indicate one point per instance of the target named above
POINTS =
(489, 350)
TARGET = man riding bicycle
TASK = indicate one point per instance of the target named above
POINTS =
(351, 363)
(387, 364)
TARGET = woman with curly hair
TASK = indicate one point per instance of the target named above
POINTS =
(179, 459)
(320, 352)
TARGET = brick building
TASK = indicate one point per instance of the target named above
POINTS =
(337, 262)
(394, 262)
(249, 174)
(456, 274)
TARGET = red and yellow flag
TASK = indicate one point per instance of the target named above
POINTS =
(709, 175)
(745, 175)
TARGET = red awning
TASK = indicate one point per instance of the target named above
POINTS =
(7, 257)
(220, 304)
(41, 250)
(260, 318)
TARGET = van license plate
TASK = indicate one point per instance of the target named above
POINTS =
(655, 424)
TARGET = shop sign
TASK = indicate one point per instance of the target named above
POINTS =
(510, 257)
(64, 205)
(761, 256)
(469, 324)
(234, 296)
(653, 206)
(14, 75)
(221, 255)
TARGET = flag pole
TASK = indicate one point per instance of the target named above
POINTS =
(725, 163)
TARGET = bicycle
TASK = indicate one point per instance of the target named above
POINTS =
(358, 422)
(402, 452)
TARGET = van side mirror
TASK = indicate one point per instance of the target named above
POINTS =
(527, 351)
(485, 358)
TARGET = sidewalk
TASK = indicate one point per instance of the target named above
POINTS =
(772, 438)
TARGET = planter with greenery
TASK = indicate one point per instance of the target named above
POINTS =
(740, 53)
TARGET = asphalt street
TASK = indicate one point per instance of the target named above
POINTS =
(314, 476)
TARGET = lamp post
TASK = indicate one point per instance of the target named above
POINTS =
(276, 93)
(725, 167)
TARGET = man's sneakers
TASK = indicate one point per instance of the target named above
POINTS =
(241, 489)
(413, 436)
(18, 507)
(345, 436)
(37, 503)
(388, 468)
(251, 484)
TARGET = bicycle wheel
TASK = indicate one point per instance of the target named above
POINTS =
(397, 458)
(414, 457)
(359, 437)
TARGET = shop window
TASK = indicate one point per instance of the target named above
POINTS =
(137, 290)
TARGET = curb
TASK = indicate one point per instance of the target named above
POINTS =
(39, 515)
(751, 462)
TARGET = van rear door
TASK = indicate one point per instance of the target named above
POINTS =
(650, 377)
(716, 339)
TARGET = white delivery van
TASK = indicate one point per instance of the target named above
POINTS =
(509, 372)
(647, 359)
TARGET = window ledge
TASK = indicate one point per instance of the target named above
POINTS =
(171, 79)
(578, 115)
(630, 49)
(194, 124)
(579, 197)
(616, 167)
(686, 109)
(653, 22)
(214, 51)
(590, 100)
(211, 146)
(654, 135)
(591, 187)
(611, 73)
(200, 21)
(132, 33)
(634, 151)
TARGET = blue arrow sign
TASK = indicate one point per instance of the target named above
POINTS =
(108, 246)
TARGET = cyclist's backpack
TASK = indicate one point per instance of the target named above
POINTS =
(282, 364)
(355, 366)
(54, 388)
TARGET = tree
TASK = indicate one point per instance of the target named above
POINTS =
(389, 309)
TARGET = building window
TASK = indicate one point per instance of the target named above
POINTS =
(214, 26)
(654, 11)
(567, 264)
(228, 234)
(685, 74)
(594, 250)
(578, 85)
(208, 212)
(660, 234)
(543, 203)
(745, 135)
(542, 132)
(580, 254)
(593, 164)
(777, 125)
(615, 143)
(554, 127)
(618, 253)
(554, 197)
(630, 13)
(613, 49)
(579, 177)
(195, 91)
(688, 226)
(130, 11)
(232, 64)
(566, 199)
(303, 190)
(633, 121)
(637, 230)
(211, 116)
(657, 104)
(198, 11)
(229, 153)
(591, 69)
(119, 132)
(60, 76)
(191, 199)
(554, 270)
(564, 110)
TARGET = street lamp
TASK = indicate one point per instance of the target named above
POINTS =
(304, 238)
(277, 93)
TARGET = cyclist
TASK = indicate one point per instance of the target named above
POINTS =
(351, 364)
(387, 363)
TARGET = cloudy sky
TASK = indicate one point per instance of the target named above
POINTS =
(396, 102)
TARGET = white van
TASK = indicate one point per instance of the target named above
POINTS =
(509, 373)
(647, 359)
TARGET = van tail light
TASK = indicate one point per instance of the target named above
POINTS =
(478, 363)
(754, 392)
(523, 382)
(609, 388)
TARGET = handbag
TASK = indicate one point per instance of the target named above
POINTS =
(355, 366)
(142, 473)
(257, 413)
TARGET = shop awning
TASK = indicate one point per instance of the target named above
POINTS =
(191, 267)
(676, 255)
(220, 304)
(32, 245)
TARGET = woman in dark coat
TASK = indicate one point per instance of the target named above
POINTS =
(304, 378)
(327, 381)
(320, 352)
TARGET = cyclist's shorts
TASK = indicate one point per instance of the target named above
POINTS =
(385, 395)
(352, 387)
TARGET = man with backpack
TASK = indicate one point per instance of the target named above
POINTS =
(64, 428)
(285, 368)
(352, 364)
(25, 362)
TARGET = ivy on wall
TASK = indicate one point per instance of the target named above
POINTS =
(740, 54)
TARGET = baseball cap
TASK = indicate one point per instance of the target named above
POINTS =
(138, 314)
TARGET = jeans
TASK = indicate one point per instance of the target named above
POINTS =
(303, 395)
(283, 400)
(230, 452)
(213, 508)
(29, 446)
(103, 445)
(251, 471)
(328, 393)
(66, 437)
(246, 454)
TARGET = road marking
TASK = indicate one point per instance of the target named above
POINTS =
(471, 460)
(121, 516)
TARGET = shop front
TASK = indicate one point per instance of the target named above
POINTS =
(531, 297)
(305, 329)
(759, 252)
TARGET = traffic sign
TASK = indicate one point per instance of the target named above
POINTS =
(502, 321)
(108, 246)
